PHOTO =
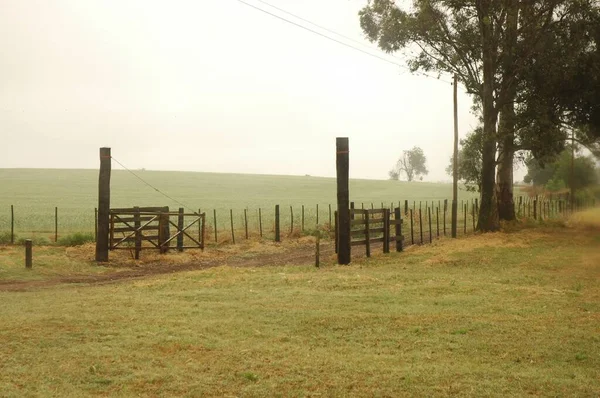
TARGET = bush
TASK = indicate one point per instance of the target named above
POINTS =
(76, 239)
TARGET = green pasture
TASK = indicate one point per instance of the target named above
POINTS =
(35, 193)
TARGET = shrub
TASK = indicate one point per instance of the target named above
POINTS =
(36, 240)
(76, 239)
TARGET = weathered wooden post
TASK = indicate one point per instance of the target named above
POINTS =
(103, 205)
(246, 222)
(180, 226)
(28, 254)
(260, 222)
(335, 218)
(138, 234)
(215, 224)
(318, 251)
(386, 230)
(302, 218)
(291, 220)
(12, 224)
(398, 218)
(421, 224)
(343, 199)
(231, 219)
(277, 234)
(55, 224)
(412, 233)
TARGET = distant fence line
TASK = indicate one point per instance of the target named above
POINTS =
(424, 220)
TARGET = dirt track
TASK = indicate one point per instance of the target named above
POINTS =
(299, 255)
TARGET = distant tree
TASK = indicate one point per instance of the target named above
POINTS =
(469, 161)
(557, 174)
(394, 175)
(412, 163)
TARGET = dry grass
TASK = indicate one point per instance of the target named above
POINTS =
(506, 314)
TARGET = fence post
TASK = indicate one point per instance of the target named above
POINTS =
(406, 207)
(55, 224)
(180, 227)
(343, 199)
(465, 211)
(137, 223)
(398, 218)
(215, 221)
(203, 230)
(318, 251)
(291, 220)
(246, 222)
(445, 211)
(367, 234)
(277, 236)
(535, 209)
(420, 223)
(164, 232)
(412, 234)
(28, 254)
(429, 217)
(335, 235)
(302, 218)
(260, 222)
(437, 220)
(386, 230)
(473, 215)
(232, 232)
(317, 225)
(352, 208)
(330, 216)
(103, 205)
(12, 225)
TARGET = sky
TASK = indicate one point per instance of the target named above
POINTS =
(213, 86)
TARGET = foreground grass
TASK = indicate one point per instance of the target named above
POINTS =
(494, 315)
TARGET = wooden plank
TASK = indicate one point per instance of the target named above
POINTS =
(376, 211)
(357, 222)
(131, 229)
(358, 243)
(358, 211)
(376, 240)
(130, 219)
(354, 234)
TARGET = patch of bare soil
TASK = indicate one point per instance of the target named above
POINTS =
(300, 254)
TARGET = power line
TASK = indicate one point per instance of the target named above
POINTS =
(153, 187)
(328, 37)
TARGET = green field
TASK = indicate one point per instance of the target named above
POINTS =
(504, 314)
(35, 192)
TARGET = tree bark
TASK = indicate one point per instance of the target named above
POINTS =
(504, 186)
(506, 139)
(488, 212)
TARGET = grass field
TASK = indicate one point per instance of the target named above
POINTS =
(504, 314)
(35, 193)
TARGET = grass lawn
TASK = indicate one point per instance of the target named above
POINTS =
(505, 314)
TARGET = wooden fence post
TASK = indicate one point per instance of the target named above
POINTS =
(535, 209)
(137, 223)
(335, 220)
(465, 218)
(103, 205)
(398, 218)
(277, 235)
(260, 222)
(367, 234)
(420, 223)
(343, 199)
(473, 214)
(412, 235)
(429, 217)
(215, 222)
(330, 216)
(352, 208)
(12, 224)
(317, 224)
(180, 226)
(55, 224)
(386, 230)
(318, 251)
(437, 220)
(302, 218)
(28, 254)
(406, 207)
(291, 220)
(203, 230)
(246, 222)
(232, 232)
(445, 211)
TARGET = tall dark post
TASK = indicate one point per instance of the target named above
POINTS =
(343, 199)
(180, 226)
(455, 162)
(138, 234)
(103, 205)
(572, 185)
(398, 228)
(277, 234)
(28, 253)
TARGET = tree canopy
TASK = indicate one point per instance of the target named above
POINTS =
(413, 163)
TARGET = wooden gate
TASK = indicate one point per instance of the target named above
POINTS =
(143, 228)
(373, 226)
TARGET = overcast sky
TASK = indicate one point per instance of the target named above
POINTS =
(210, 85)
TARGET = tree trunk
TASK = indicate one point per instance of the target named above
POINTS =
(488, 212)
(504, 186)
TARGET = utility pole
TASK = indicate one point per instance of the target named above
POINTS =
(455, 161)
(572, 169)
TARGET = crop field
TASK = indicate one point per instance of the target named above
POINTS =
(35, 193)
(515, 313)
